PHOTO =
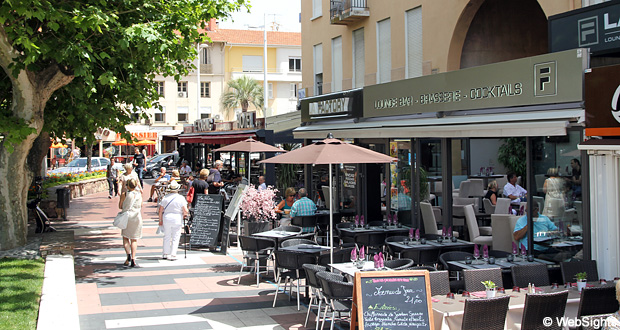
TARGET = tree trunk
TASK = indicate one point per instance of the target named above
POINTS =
(40, 150)
(89, 156)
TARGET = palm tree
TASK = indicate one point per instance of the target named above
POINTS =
(242, 92)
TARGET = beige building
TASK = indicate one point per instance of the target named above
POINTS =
(355, 43)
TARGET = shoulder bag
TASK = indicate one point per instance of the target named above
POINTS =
(190, 195)
(121, 219)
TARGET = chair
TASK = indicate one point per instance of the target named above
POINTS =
(297, 241)
(344, 236)
(313, 282)
(292, 229)
(340, 256)
(462, 202)
(398, 264)
(456, 284)
(422, 256)
(476, 188)
(254, 251)
(485, 314)
(306, 222)
(599, 300)
(430, 224)
(338, 294)
(543, 305)
(373, 241)
(472, 227)
(395, 251)
(503, 206)
(489, 208)
(570, 269)
(440, 282)
(522, 275)
(290, 266)
(474, 277)
(429, 268)
(502, 231)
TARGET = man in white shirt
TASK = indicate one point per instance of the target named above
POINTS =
(514, 191)
(261, 183)
(185, 170)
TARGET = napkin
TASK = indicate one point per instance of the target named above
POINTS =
(411, 233)
(362, 255)
(362, 220)
(380, 259)
(354, 254)
(443, 231)
(376, 260)
(479, 294)
(515, 249)
(523, 249)
(357, 220)
(485, 251)
(434, 300)
(389, 218)
(476, 251)
(417, 234)
(449, 233)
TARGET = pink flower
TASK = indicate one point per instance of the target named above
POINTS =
(259, 205)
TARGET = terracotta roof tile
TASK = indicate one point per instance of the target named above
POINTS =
(255, 37)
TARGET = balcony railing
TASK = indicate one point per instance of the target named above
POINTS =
(345, 12)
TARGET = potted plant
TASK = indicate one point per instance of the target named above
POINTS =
(257, 209)
(490, 288)
(581, 280)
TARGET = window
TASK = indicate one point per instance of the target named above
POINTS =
(270, 90)
(205, 89)
(182, 88)
(205, 115)
(160, 88)
(293, 91)
(104, 161)
(182, 118)
(413, 38)
(205, 56)
(160, 116)
(317, 8)
(182, 114)
(205, 112)
(336, 64)
(252, 63)
(358, 58)
(294, 64)
(317, 53)
(94, 162)
(384, 51)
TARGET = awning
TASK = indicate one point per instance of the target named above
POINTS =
(215, 139)
(600, 145)
(509, 124)
(169, 135)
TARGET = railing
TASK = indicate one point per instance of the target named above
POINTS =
(337, 7)
(260, 70)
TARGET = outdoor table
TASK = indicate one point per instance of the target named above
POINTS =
(349, 269)
(306, 248)
(502, 263)
(374, 229)
(276, 235)
(448, 313)
(433, 244)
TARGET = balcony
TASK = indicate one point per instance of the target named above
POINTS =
(344, 12)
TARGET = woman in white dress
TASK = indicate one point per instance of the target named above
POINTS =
(172, 210)
(554, 188)
(131, 202)
(129, 174)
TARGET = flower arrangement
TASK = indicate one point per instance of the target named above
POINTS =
(489, 285)
(259, 205)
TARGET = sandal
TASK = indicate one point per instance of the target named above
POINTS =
(126, 263)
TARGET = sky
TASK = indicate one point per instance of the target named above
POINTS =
(285, 13)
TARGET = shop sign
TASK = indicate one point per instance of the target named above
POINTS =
(204, 125)
(246, 120)
(602, 101)
(345, 104)
(140, 136)
(331, 108)
(545, 79)
(596, 27)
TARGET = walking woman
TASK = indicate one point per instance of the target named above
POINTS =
(129, 174)
(131, 202)
(172, 210)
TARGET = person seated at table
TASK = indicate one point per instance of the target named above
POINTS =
(229, 175)
(284, 207)
(185, 170)
(542, 225)
(176, 176)
(612, 322)
(492, 192)
(261, 183)
(304, 206)
(161, 179)
(512, 190)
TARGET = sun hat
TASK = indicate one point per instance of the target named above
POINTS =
(174, 186)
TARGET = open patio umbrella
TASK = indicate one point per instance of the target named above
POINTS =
(145, 143)
(327, 152)
(56, 145)
(121, 142)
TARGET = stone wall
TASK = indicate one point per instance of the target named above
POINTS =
(78, 189)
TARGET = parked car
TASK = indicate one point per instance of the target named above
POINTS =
(79, 165)
(154, 165)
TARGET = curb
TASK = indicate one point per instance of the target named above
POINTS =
(58, 308)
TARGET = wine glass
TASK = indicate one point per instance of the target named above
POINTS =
(476, 255)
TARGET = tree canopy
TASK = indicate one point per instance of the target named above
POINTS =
(242, 92)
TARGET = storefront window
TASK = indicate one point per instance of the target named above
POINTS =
(557, 196)
(400, 179)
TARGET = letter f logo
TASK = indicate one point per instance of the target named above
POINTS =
(545, 79)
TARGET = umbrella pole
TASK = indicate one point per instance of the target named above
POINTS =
(249, 166)
(331, 218)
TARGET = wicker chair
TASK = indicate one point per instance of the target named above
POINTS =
(429, 268)
(315, 286)
(393, 250)
(541, 306)
(570, 269)
(297, 241)
(456, 283)
(599, 300)
(307, 223)
(398, 264)
(345, 238)
(485, 314)
(422, 257)
(373, 241)
(254, 251)
(474, 277)
(537, 274)
(440, 282)
(337, 293)
(292, 229)
(290, 267)
(340, 256)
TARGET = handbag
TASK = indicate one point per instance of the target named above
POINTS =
(190, 195)
(121, 219)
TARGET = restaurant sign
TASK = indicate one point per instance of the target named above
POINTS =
(544, 79)
(332, 106)
(246, 120)
(596, 27)
(602, 101)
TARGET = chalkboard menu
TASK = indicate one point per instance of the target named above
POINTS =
(392, 300)
(206, 220)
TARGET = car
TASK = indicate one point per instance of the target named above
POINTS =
(154, 164)
(79, 165)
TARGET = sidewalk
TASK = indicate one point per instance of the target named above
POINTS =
(197, 292)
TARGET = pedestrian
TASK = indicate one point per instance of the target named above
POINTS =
(112, 176)
(139, 161)
(199, 186)
(129, 174)
(131, 202)
(172, 210)
(215, 178)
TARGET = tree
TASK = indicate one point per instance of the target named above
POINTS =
(69, 67)
(242, 92)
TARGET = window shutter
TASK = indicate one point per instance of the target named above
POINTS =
(318, 58)
(414, 43)
(337, 64)
(358, 58)
(384, 51)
